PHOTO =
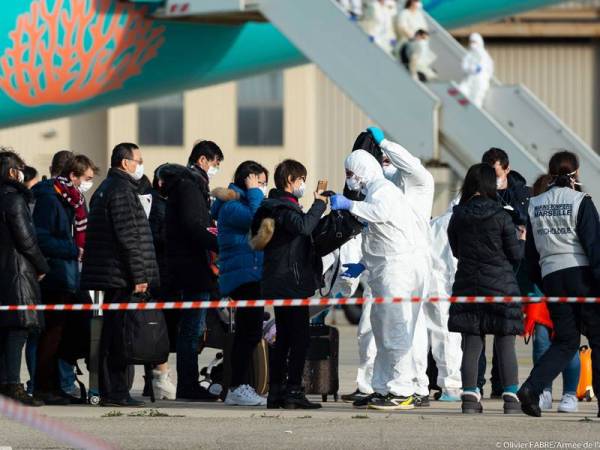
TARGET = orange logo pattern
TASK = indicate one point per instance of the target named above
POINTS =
(67, 55)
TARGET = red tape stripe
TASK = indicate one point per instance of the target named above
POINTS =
(228, 303)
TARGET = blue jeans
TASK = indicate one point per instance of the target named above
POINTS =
(66, 375)
(541, 343)
(191, 326)
(31, 356)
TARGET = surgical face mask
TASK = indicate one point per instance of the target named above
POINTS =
(299, 191)
(354, 183)
(264, 190)
(20, 176)
(212, 171)
(139, 172)
(85, 186)
(389, 171)
(499, 182)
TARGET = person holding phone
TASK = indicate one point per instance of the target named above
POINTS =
(292, 269)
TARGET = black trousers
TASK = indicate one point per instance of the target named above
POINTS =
(291, 346)
(570, 321)
(248, 333)
(115, 377)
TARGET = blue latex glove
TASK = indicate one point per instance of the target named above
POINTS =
(353, 270)
(371, 38)
(393, 43)
(478, 69)
(340, 203)
(377, 134)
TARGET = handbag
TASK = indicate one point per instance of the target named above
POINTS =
(145, 337)
(334, 230)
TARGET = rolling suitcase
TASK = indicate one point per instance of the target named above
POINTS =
(94, 359)
(321, 371)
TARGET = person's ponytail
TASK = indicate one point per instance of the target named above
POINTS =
(562, 168)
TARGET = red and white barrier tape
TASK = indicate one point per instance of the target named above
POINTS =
(27, 416)
(226, 303)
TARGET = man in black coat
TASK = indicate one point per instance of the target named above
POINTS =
(120, 260)
(189, 243)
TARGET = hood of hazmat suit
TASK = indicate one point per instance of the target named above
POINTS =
(395, 236)
(478, 57)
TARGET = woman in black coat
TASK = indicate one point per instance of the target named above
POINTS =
(484, 240)
(22, 266)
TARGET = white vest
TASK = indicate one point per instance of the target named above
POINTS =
(553, 217)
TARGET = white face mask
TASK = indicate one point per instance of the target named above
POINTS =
(212, 171)
(354, 183)
(499, 182)
(299, 191)
(389, 171)
(20, 176)
(419, 5)
(264, 190)
(139, 172)
(85, 186)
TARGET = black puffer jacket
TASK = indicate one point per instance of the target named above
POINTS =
(159, 233)
(292, 268)
(483, 239)
(188, 240)
(21, 260)
(119, 250)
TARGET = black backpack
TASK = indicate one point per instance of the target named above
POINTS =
(334, 230)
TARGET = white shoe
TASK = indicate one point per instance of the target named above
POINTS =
(546, 401)
(568, 404)
(244, 395)
(164, 389)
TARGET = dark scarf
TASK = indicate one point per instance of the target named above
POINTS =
(75, 199)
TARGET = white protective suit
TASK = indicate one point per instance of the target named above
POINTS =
(408, 23)
(352, 6)
(379, 23)
(418, 185)
(445, 346)
(479, 69)
(350, 253)
(396, 253)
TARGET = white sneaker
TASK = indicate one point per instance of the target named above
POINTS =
(546, 401)
(568, 404)
(244, 395)
(164, 389)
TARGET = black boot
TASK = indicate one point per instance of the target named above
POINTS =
(511, 403)
(530, 401)
(295, 399)
(276, 396)
(471, 403)
(17, 393)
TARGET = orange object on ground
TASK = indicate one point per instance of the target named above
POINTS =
(585, 391)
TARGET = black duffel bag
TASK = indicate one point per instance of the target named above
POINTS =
(144, 336)
(334, 230)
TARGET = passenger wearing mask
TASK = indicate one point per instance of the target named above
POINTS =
(445, 346)
(417, 57)
(292, 269)
(378, 23)
(483, 239)
(410, 20)
(513, 195)
(564, 257)
(408, 173)
(240, 271)
(189, 243)
(478, 67)
(120, 260)
(396, 253)
(539, 326)
(22, 265)
(60, 218)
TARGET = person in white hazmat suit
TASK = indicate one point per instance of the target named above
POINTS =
(378, 23)
(445, 346)
(396, 253)
(479, 69)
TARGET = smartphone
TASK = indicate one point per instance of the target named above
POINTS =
(322, 186)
